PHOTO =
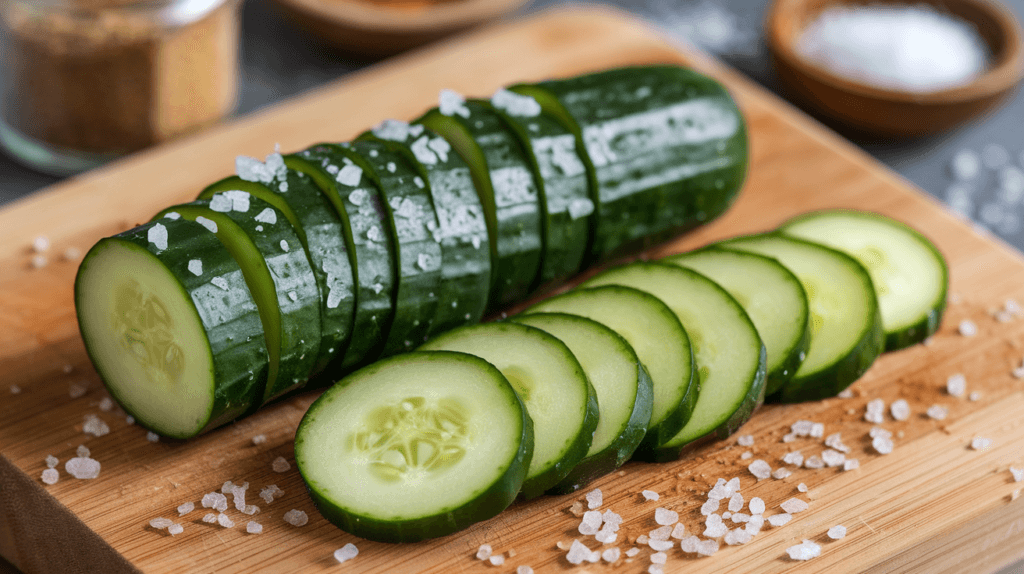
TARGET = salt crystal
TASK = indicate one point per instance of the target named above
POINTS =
(15, 389)
(736, 502)
(650, 495)
(980, 443)
(678, 531)
(760, 469)
(660, 557)
(732, 486)
(817, 430)
(210, 518)
(215, 500)
(208, 223)
(73, 253)
(967, 328)
(707, 547)
(580, 207)
(280, 465)
(269, 492)
(152, 437)
(715, 530)
(228, 486)
(755, 524)
(419, 182)
(660, 545)
(268, 216)
(655, 569)
(591, 522)
(689, 544)
(740, 517)
(594, 499)
(801, 487)
(833, 458)
(747, 455)
(965, 165)
(900, 410)
(611, 519)
(780, 519)
(835, 441)
(814, 462)
(611, 555)
(577, 553)
(781, 473)
(185, 508)
(250, 509)
(937, 412)
(497, 560)
(837, 532)
(726, 515)
(157, 235)
(524, 569)
(83, 451)
(393, 130)
(95, 426)
(794, 505)
(804, 551)
(737, 536)
(956, 385)
(284, 246)
(665, 517)
(794, 458)
(845, 394)
(746, 440)
(76, 390)
(220, 203)
(50, 476)
(576, 509)
(375, 234)
(484, 552)
(802, 428)
(82, 467)
(850, 464)
(239, 496)
(253, 527)
(1018, 474)
(632, 552)
(259, 439)
(974, 396)
(161, 523)
(756, 505)
(52, 461)
(709, 507)
(660, 533)
(875, 412)
(40, 244)
(39, 261)
(225, 521)
(451, 103)
(883, 445)
(195, 266)
(606, 535)
(296, 517)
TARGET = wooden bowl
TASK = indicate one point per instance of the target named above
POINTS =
(385, 27)
(885, 112)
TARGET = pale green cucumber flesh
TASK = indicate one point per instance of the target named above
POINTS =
(415, 446)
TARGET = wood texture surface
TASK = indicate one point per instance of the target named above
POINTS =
(932, 506)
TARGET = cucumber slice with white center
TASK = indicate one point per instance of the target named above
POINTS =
(846, 325)
(280, 279)
(657, 337)
(550, 382)
(727, 349)
(908, 272)
(171, 327)
(624, 392)
(415, 446)
(772, 297)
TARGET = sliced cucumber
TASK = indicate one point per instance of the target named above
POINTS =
(508, 192)
(772, 297)
(657, 337)
(357, 200)
(280, 279)
(414, 447)
(908, 272)
(727, 349)
(846, 325)
(550, 382)
(178, 340)
(320, 231)
(624, 392)
(465, 258)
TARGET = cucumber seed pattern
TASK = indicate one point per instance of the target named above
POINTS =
(144, 328)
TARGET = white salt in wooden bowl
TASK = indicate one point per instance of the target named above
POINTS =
(888, 112)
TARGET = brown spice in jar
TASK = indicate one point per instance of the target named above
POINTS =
(111, 81)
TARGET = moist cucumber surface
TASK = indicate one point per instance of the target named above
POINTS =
(727, 349)
(908, 272)
(624, 392)
(551, 383)
(178, 342)
(772, 297)
(657, 337)
(846, 325)
(415, 446)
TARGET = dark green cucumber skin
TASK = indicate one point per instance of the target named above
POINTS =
(466, 260)
(236, 340)
(929, 324)
(372, 260)
(517, 249)
(319, 229)
(622, 448)
(646, 191)
(577, 450)
(565, 239)
(417, 286)
(487, 505)
(291, 272)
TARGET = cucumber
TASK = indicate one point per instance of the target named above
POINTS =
(561, 181)
(465, 258)
(908, 272)
(280, 279)
(417, 260)
(358, 202)
(846, 325)
(657, 337)
(727, 350)
(508, 192)
(551, 383)
(665, 149)
(414, 447)
(320, 232)
(624, 392)
(178, 341)
(772, 297)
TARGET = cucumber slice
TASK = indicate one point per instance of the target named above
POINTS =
(465, 258)
(414, 447)
(171, 327)
(357, 201)
(727, 349)
(562, 183)
(417, 262)
(846, 325)
(657, 337)
(666, 149)
(508, 192)
(280, 280)
(319, 229)
(908, 272)
(550, 382)
(624, 392)
(772, 297)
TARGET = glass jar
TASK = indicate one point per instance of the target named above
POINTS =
(86, 81)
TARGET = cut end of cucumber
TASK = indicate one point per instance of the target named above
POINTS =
(145, 338)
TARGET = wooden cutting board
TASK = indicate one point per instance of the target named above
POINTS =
(933, 505)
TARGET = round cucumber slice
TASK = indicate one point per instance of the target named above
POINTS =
(846, 325)
(415, 446)
(551, 383)
(169, 323)
(772, 297)
(727, 349)
(657, 337)
(908, 272)
(624, 392)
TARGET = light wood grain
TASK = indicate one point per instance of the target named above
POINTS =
(931, 506)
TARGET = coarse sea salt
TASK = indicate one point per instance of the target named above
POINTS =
(76, 390)
(611, 555)
(1018, 474)
(956, 385)
(50, 476)
(967, 328)
(650, 495)
(82, 467)
(346, 552)
(660, 545)
(451, 103)
(756, 505)
(760, 469)
(253, 527)
(851, 464)
(746, 440)
(152, 437)
(185, 508)
(594, 499)
(780, 519)
(781, 473)
(524, 569)
(794, 505)
(804, 551)
(937, 412)
(837, 532)
(160, 523)
(296, 517)
(51, 461)
(591, 522)
(175, 529)
(215, 500)
(484, 552)
(980, 443)
(900, 410)
(882, 444)
(577, 553)
(95, 426)
(660, 533)
(678, 531)
(225, 521)
(496, 560)
(665, 517)
(259, 439)
(280, 465)
(875, 411)
(210, 518)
